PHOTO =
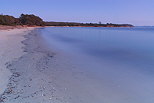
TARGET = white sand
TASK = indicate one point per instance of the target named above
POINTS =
(10, 49)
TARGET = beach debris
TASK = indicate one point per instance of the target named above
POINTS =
(30, 79)
(16, 74)
(8, 91)
(17, 97)
(2, 99)
(43, 94)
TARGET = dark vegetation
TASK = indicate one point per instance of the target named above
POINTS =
(24, 19)
(32, 20)
(86, 24)
(8, 20)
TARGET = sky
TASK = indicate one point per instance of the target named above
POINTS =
(136, 12)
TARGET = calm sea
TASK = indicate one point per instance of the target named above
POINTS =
(123, 55)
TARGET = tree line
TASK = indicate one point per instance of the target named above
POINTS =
(86, 24)
(32, 20)
(24, 19)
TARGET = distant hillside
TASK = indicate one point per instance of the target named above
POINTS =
(32, 20)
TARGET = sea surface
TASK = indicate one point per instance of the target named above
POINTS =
(119, 60)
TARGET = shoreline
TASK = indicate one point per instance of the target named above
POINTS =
(43, 76)
(3, 27)
(46, 74)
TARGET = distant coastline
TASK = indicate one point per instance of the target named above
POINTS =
(32, 20)
(72, 24)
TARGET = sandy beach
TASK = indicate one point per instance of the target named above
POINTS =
(10, 50)
(23, 77)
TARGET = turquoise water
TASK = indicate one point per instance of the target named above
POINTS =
(123, 55)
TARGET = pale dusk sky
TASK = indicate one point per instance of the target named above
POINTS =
(136, 12)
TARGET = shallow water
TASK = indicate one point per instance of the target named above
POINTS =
(122, 57)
